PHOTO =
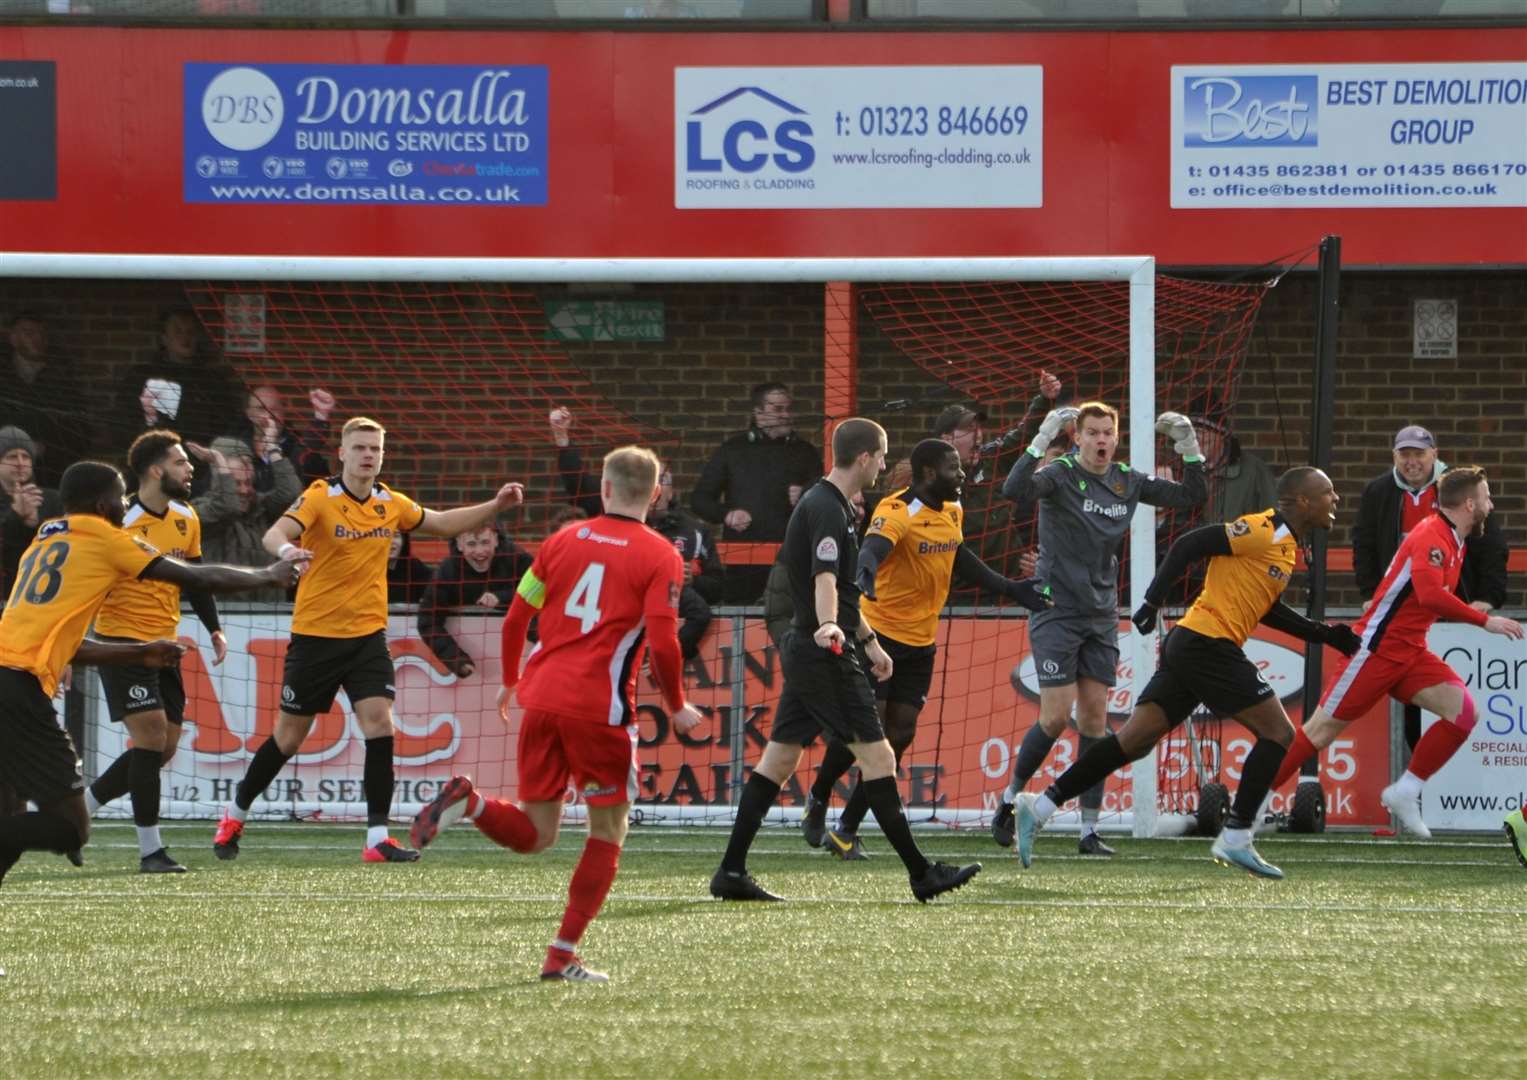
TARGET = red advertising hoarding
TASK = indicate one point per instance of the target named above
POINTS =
(1100, 114)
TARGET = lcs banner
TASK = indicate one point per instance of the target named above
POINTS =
(817, 138)
(28, 130)
(1349, 135)
(387, 134)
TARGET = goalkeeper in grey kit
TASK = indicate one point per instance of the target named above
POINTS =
(1086, 500)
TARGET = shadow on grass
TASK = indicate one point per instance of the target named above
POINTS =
(328, 999)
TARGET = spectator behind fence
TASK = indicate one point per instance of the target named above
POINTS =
(407, 577)
(477, 573)
(40, 394)
(264, 428)
(1394, 503)
(752, 483)
(704, 574)
(183, 386)
(23, 504)
(1240, 482)
(235, 514)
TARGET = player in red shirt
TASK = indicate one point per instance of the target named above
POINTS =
(603, 588)
(1417, 590)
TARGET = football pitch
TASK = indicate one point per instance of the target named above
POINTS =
(1375, 958)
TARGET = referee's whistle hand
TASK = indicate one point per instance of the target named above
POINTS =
(1145, 618)
(827, 635)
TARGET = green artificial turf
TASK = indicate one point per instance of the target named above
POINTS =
(1374, 958)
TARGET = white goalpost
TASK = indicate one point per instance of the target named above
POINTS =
(1139, 272)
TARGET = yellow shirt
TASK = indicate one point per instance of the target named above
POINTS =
(63, 578)
(343, 592)
(1241, 587)
(149, 610)
(912, 582)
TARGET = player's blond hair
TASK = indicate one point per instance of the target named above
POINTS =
(632, 471)
(1097, 408)
(361, 423)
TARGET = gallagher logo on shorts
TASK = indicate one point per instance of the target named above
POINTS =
(1240, 111)
(138, 693)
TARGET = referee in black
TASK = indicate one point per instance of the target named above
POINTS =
(826, 691)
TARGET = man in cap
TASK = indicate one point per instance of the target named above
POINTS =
(1394, 503)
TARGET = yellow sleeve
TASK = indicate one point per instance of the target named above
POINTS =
(193, 541)
(127, 554)
(305, 510)
(1250, 533)
(890, 520)
(410, 513)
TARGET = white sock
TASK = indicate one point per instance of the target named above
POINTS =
(375, 834)
(148, 840)
(1010, 793)
(1236, 837)
(1089, 822)
(92, 804)
(475, 803)
(1409, 785)
(1044, 809)
(237, 812)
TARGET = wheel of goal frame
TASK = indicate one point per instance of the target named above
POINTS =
(1213, 808)
(1309, 812)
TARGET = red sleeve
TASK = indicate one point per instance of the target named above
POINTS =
(516, 623)
(667, 661)
(1431, 589)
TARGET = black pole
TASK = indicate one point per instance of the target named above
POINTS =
(1327, 316)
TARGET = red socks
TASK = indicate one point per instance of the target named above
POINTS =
(1439, 743)
(585, 894)
(1299, 751)
(506, 825)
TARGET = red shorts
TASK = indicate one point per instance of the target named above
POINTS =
(599, 758)
(1367, 678)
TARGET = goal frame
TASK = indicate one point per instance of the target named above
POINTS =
(1139, 271)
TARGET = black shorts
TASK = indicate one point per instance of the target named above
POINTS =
(130, 689)
(37, 758)
(1209, 670)
(317, 667)
(825, 694)
(911, 673)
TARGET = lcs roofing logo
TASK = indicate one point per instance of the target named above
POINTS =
(744, 131)
(1250, 110)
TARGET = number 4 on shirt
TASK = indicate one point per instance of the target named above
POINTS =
(583, 603)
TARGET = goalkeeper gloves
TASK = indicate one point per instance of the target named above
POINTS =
(1179, 429)
(1053, 422)
(1341, 638)
(1145, 618)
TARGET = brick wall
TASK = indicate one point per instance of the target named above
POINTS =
(724, 338)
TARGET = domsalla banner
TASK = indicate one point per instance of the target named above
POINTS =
(982, 701)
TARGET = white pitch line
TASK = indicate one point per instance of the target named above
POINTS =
(1217, 904)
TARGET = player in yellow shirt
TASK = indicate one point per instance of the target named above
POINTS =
(1202, 661)
(151, 702)
(339, 624)
(913, 548)
(61, 582)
